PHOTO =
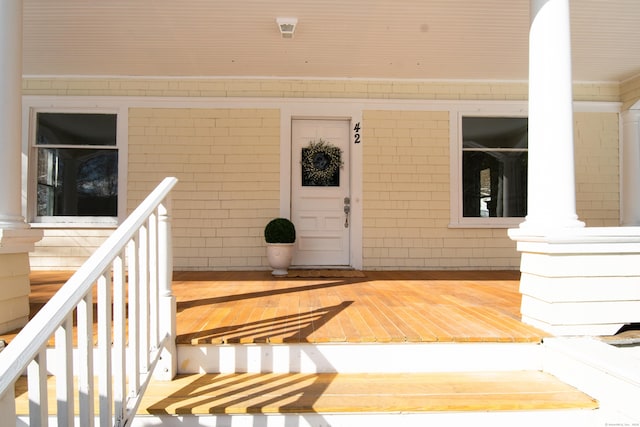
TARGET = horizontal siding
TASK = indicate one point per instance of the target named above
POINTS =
(304, 88)
(227, 161)
(406, 199)
(597, 163)
(66, 249)
(630, 92)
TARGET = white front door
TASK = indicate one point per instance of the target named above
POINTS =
(318, 200)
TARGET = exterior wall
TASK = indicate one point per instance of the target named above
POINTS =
(66, 248)
(597, 163)
(406, 199)
(630, 92)
(228, 164)
(292, 88)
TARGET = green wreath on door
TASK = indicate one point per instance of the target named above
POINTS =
(321, 161)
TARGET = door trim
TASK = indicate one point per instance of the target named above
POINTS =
(326, 111)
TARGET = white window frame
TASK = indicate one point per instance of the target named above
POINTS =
(457, 219)
(79, 107)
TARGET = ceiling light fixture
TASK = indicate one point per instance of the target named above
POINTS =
(287, 26)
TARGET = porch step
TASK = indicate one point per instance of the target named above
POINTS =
(245, 393)
(342, 399)
(360, 358)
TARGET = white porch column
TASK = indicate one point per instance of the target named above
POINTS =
(630, 177)
(16, 238)
(10, 113)
(551, 201)
(575, 280)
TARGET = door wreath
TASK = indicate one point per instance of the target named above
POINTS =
(321, 162)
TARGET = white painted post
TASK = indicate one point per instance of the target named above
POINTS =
(167, 365)
(105, 381)
(8, 407)
(85, 360)
(154, 318)
(143, 295)
(16, 237)
(575, 280)
(64, 377)
(119, 340)
(630, 157)
(551, 199)
(133, 316)
(37, 383)
(10, 114)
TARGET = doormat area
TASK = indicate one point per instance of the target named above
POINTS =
(326, 273)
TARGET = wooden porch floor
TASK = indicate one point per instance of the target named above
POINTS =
(390, 306)
(380, 306)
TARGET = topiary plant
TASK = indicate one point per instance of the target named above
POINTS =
(280, 230)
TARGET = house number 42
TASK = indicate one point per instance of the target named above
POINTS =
(356, 133)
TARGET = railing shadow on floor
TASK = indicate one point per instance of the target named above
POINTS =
(254, 393)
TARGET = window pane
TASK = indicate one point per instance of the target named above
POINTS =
(77, 182)
(494, 184)
(76, 129)
(494, 132)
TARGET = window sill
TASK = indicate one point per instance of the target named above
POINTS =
(74, 225)
(500, 223)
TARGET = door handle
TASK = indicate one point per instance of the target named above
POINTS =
(347, 210)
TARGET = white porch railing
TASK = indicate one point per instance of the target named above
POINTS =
(130, 278)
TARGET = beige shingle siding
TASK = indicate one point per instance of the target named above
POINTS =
(597, 161)
(406, 199)
(298, 88)
(630, 92)
(66, 249)
(227, 161)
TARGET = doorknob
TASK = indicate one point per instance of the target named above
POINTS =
(347, 210)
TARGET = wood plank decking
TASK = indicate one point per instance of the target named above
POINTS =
(381, 306)
(335, 393)
(397, 306)
(252, 393)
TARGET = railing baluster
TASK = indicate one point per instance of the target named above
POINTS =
(37, 384)
(153, 282)
(143, 295)
(85, 360)
(8, 401)
(125, 358)
(64, 377)
(133, 368)
(167, 301)
(119, 339)
(104, 350)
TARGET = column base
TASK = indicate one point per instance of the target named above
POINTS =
(15, 245)
(14, 291)
(581, 281)
(18, 240)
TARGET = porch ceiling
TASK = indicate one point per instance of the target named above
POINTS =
(395, 39)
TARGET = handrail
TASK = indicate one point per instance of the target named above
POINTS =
(133, 264)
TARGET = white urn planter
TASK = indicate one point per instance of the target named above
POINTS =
(280, 235)
(279, 256)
